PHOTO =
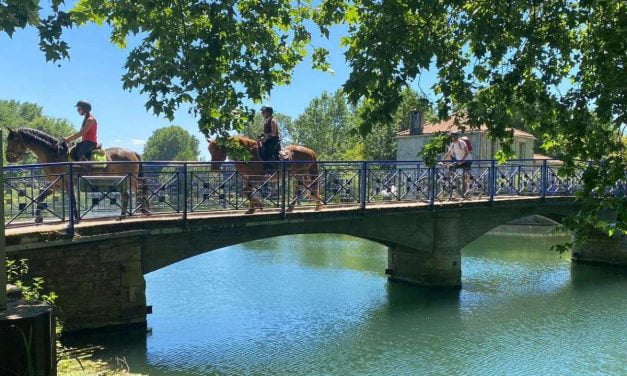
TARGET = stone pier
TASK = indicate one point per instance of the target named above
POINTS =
(602, 249)
(98, 283)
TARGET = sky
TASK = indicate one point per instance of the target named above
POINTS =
(94, 72)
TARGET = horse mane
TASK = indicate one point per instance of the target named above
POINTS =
(246, 141)
(41, 138)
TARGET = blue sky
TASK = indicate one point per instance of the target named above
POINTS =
(94, 73)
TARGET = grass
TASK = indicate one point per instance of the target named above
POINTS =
(82, 362)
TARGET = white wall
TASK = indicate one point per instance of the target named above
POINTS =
(483, 147)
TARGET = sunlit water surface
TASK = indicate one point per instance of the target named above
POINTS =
(320, 304)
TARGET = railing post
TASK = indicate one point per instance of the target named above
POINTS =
(432, 184)
(73, 208)
(544, 179)
(3, 270)
(185, 194)
(283, 191)
(492, 179)
(363, 192)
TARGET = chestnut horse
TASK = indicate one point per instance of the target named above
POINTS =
(48, 149)
(254, 174)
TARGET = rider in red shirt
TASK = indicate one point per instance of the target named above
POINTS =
(88, 133)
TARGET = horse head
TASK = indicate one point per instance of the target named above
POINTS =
(218, 154)
(16, 148)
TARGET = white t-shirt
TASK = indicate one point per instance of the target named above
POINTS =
(458, 149)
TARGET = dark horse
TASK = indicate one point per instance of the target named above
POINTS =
(253, 173)
(48, 149)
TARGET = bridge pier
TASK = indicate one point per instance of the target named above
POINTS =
(99, 284)
(435, 259)
(602, 249)
(425, 269)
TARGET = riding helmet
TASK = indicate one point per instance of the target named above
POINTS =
(267, 109)
(84, 105)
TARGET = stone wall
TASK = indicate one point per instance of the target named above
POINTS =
(98, 283)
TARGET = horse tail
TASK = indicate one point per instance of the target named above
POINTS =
(314, 170)
(142, 184)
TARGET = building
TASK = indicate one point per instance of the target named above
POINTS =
(411, 141)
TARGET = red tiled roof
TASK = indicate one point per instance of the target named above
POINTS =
(448, 125)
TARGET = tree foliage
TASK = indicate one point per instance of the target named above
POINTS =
(559, 64)
(211, 56)
(14, 114)
(20, 14)
(325, 126)
(171, 143)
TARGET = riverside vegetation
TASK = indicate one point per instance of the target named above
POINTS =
(70, 361)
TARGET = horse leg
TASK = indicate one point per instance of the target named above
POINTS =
(125, 198)
(314, 185)
(248, 190)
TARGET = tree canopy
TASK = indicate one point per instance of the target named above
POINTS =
(325, 126)
(557, 65)
(171, 143)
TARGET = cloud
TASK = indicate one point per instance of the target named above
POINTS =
(136, 141)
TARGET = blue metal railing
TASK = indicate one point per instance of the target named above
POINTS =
(71, 192)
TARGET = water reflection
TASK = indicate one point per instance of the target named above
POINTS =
(320, 304)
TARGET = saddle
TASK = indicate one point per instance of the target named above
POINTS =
(97, 155)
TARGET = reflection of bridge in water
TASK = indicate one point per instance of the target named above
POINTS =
(425, 216)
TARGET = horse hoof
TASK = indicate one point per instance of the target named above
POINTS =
(290, 209)
(318, 208)
(39, 220)
(250, 211)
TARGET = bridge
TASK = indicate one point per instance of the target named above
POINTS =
(94, 258)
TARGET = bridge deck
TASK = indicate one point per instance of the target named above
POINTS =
(57, 230)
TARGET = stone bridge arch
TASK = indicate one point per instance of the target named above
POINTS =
(99, 275)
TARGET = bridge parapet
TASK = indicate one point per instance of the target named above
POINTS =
(72, 192)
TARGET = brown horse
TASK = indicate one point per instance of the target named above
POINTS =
(254, 174)
(48, 149)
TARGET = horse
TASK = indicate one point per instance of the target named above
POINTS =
(254, 173)
(48, 149)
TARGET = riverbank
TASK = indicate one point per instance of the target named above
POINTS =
(93, 366)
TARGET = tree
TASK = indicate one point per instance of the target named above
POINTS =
(560, 64)
(14, 114)
(171, 143)
(325, 126)
(210, 55)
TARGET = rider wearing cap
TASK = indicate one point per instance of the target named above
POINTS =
(270, 142)
(88, 133)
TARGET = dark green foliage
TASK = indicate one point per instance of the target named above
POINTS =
(14, 114)
(171, 143)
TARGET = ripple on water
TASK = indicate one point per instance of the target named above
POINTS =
(320, 304)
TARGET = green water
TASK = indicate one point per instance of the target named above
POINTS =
(320, 304)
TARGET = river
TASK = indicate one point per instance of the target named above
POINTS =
(320, 304)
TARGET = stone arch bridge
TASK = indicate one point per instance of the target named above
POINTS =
(99, 273)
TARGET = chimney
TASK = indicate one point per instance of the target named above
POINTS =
(416, 122)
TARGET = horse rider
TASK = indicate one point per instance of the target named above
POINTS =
(270, 141)
(88, 133)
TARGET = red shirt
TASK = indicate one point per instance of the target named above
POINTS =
(91, 134)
